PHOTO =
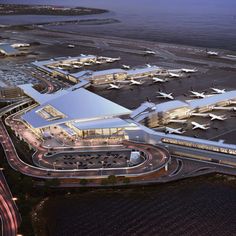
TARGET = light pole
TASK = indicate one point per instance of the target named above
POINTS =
(151, 166)
(102, 167)
(54, 165)
(127, 163)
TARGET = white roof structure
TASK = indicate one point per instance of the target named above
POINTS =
(84, 74)
(103, 124)
(212, 100)
(40, 97)
(44, 65)
(142, 70)
(108, 72)
(75, 105)
(146, 106)
(167, 106)
(7, 49)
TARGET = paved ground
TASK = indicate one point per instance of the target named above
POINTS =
(89, 160)
(9, 214)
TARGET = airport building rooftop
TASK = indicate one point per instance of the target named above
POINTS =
(8, 50)
(168, 106)
(70, 105)
(212, 100)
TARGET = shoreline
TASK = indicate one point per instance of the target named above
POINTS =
(26, 9)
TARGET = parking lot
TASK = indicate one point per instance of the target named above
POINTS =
(88, 160)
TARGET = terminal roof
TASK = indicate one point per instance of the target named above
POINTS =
(78, 104)
(108, 71)
(8, 49)
(167, 106)
(103, 124)
(212, 100)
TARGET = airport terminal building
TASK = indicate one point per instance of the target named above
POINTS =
(64, 67)
(154, 115)
(77, 114)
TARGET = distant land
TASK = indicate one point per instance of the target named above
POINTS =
(17, 9)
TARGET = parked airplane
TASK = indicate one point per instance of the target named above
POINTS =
(65, 64)
(135, 82)
(165, 95)
(215, 117)
(98, 62)
(148, 65)
(149, 52)
(116, 59)
(110, 60)
(113, 86)
(87, 64)
(173, 75)
(155, 80)
(125, 67)
(174, 131)
(199, 126)
(188, 70)
(197, 94)
(219, 91)
(212, 53)
(76, 67)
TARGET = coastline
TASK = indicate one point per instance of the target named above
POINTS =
(23, 9)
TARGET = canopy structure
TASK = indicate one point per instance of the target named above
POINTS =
(70, 105)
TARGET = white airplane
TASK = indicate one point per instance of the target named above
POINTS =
(218, 91)
(197, 94)
(173, 75)
(125, 67)
(70, 46)
(116, 59)
(199, 126)
(148, 65)
(110, 60)
(155, 80)
(66, 64)
(98, 62)
(212, 53)
(113, 86)
(188, 70)
(165, 95)
(215, 117)
(135, 82)
(174, 131)
(150, 52)
(76, 67)
(87, 64)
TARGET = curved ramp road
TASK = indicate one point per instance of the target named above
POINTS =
(10, 217)
(155, 157)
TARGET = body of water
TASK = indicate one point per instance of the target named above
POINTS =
(207, 23)
(204, 206)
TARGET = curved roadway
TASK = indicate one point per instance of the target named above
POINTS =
(156, 158)
(10, 216)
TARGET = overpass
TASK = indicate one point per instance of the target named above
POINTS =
(156, 157)
(9, 214)
(15, 105)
